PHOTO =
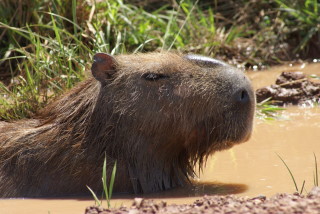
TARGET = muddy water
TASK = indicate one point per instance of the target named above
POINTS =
(249, 169)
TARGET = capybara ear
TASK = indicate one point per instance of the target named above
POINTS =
(103, 66)
(204, 61)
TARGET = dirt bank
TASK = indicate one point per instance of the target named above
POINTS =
(280, 203)
(291, 88)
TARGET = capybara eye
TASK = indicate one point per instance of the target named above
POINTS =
(154, 76)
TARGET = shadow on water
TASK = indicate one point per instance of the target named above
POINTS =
(195, 189)
(198, 189)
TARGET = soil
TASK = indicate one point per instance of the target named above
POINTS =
(291, 88)
(280, 203)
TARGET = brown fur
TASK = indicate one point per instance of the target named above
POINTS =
(156, 130)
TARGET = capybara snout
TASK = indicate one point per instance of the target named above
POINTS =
(229, 98)
(156, 114)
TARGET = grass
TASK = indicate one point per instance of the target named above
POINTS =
(43, 59)
(267, 111)
(46, 66)
(315, 175)
(106, 191)
(304, 14)
(315, 76)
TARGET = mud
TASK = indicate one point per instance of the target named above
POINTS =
(291, 88)
(280, 203)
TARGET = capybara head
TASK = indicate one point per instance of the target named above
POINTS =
(157, 114)
(172, 111)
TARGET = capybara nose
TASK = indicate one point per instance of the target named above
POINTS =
(242, 97)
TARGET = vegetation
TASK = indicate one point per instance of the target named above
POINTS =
(106, 191)
(302, 19)
(47, 46)
(315, 175)
(267, 110)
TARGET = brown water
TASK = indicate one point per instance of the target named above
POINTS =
(249, 169)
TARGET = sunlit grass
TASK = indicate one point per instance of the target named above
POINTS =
(268, 111)
(106, 190)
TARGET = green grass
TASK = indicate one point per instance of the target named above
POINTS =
(49, 55)
(43, 60)
(314, 76)
(268, 111)
(315, 175)
(302, 19)
(107, 191)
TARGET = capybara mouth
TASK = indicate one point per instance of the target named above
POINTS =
(204, 139)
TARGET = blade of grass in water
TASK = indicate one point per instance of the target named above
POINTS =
(94, 196)
(113, 175)
(292, 177)
(302, 186)
(104, 179)
(315, 177)
(108, 193)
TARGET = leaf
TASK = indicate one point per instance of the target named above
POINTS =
(94, 196)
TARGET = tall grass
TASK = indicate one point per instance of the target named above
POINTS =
(42, 60)
(46, 46)
(47, 68)
(302, 17)
(50, 52)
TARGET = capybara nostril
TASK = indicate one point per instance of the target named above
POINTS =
(243, 97)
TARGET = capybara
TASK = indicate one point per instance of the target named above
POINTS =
(156, 114)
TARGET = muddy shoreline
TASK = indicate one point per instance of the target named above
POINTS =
(280, 203)
(291, 88)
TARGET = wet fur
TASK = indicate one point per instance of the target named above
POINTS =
(156, 130)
